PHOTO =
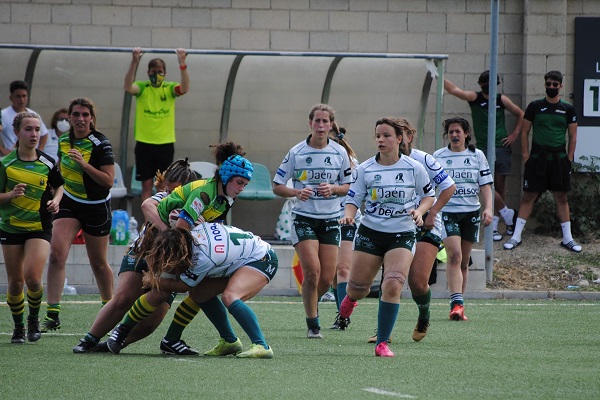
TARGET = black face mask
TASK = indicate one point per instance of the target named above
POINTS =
(485, 88)
(552, 92)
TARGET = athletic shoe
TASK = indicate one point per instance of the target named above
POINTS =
(420, 330)
(382, 350)
(511, 244)
(176, 348)
(33, 329)
(328, 296)
(497, 236)
(314, 333)
(116, 341)
(18, 336)
(510, 229)
(572, 245)
(347, 306)
(102, 347)
(336, 323)
(373, 339)
(50, 324)
(343, 323)
(458, 313)
(256, 351)
(85, 347)
(224, 348)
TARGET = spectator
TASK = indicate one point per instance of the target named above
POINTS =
(19, 97)
(548, 166)
(478, 102)
(59, 125)
(154, 116)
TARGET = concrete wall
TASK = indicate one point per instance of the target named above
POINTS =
(79, 273)
(534, 37)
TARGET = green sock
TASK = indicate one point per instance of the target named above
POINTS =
(423, 302)
(248, 321)
(52, 310)
(184, 314)
(17, 307)
(140, 310)
(386, 319)
(313, 323)
(215, 311)
(34, 299)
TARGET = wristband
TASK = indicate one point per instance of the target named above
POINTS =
(183, 67)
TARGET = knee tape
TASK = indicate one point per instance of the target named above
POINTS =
(358, 287)
(394, 275)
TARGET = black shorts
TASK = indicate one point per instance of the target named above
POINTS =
(21, 238)
(150, 158)
(348, 232)
(95, 219)
(555, 177)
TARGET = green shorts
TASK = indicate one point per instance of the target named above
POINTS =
(465, 225)
(348, 232)
(326, 231)
(267, 265)
(378, 243)
(131, 263)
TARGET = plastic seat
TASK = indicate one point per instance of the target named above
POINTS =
(205, 169)
(136, 186)
(259, 187)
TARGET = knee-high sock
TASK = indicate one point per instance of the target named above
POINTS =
(140, 310)
(35, 300)
(217, 314)
(423, 302)
(386, 319)
(184, 314)
(341, 291)
(248, 321)
(17, 307)
(52, 310)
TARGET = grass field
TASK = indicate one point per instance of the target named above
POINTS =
(507, 350)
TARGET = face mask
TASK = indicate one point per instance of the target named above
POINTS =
(63, 126)
(552, 92)
(485, 88)
(157, 79)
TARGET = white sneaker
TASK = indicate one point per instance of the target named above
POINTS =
(328, 296)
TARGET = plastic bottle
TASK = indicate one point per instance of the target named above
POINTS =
(68, 289)
(133, 230)
(119, 231)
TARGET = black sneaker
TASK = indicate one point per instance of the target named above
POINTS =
(33, 329)
(50, 324)
(102, 347)
(343, 323)
(176, 348)
(336, 323)
(85, 346)
(18, 336)
(116, 341)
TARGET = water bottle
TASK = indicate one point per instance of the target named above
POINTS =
(68, 289)
(119, 231)
(133, 230)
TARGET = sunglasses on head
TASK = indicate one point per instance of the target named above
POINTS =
(552, 84)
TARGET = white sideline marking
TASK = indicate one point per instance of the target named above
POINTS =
(386, 393)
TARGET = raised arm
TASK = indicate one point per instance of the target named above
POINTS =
(455, 91)
(129, 87)
(184, 86)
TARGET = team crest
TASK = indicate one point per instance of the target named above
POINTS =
(377, 178)
(309, 161)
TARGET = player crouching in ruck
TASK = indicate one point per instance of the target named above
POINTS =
(210, 260)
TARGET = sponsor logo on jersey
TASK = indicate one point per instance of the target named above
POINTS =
(400, 177)
(327, 161)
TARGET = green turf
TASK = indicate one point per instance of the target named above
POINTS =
(525, 349)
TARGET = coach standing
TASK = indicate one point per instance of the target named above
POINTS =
(154, 116)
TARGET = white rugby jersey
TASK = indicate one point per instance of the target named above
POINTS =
(308, 167)
(220, 250)
(390, 192)
(469, 170)
(438, 177)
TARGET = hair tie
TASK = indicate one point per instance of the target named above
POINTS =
(340, 136)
